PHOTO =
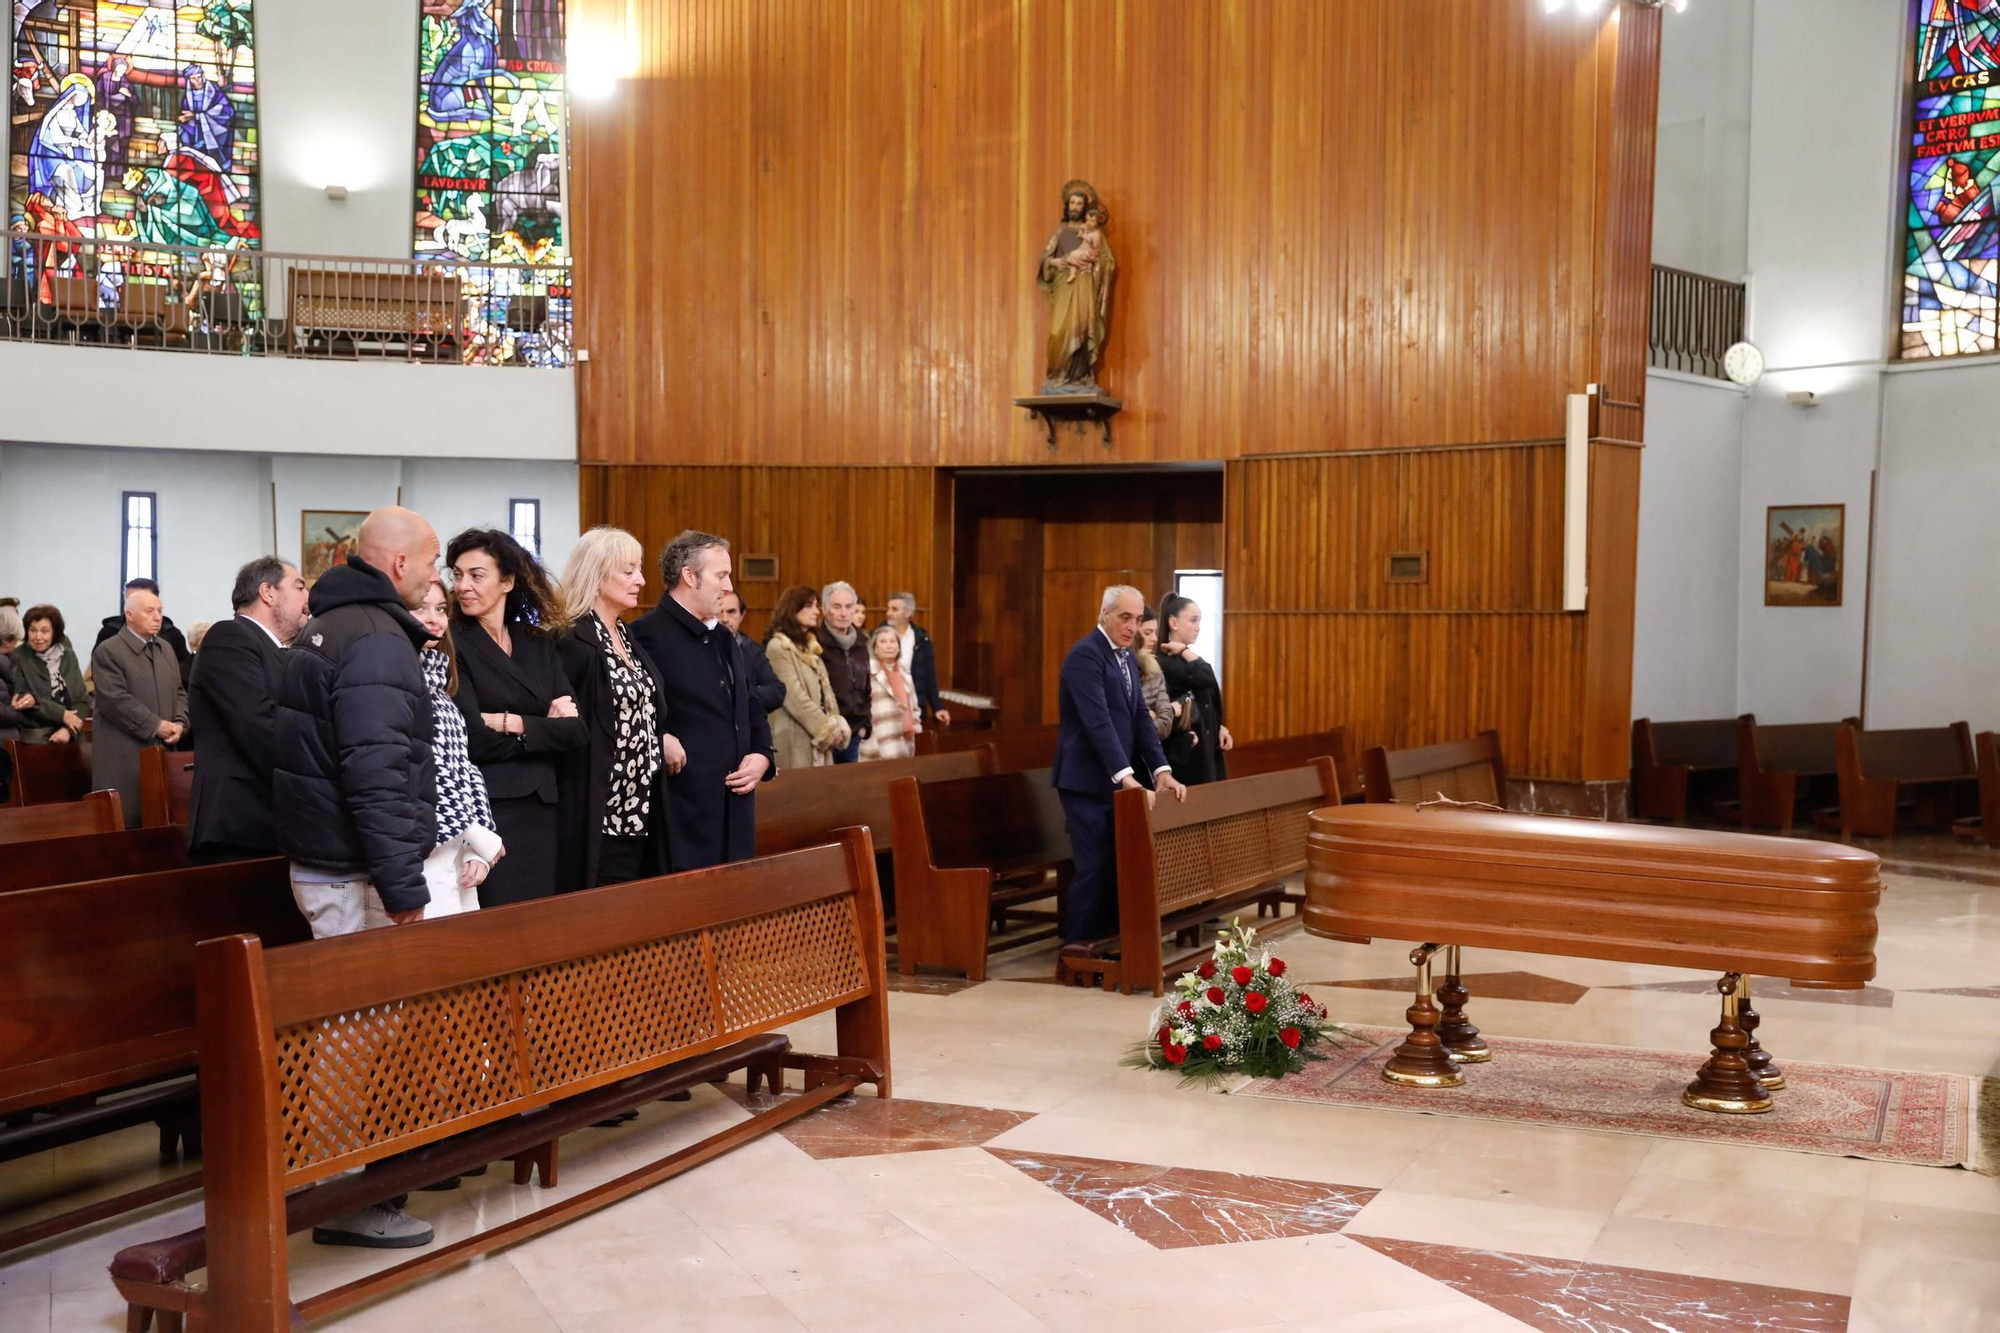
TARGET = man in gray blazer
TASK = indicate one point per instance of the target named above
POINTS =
(140, 699)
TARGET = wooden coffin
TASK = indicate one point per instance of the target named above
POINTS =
(1633, 893)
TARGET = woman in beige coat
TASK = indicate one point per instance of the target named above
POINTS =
(809, 728)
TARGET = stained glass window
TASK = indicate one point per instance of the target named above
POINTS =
(490, 141)
(1951, 255)
(134, 123)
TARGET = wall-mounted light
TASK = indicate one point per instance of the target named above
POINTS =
(336, 192)
(1802, 398)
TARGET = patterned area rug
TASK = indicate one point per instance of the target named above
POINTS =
(1885, 1115)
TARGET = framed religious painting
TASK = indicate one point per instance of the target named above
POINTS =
(325, 538)
(1805, 554)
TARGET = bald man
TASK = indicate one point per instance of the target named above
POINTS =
(355, 787)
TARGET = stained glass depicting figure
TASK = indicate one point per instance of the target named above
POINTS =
(133, 129)
(490, 143)
(1951, 257)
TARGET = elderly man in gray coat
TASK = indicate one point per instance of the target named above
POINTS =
(140, 699)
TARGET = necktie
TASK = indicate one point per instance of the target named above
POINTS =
(1125, 670)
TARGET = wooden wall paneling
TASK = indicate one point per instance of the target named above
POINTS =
(873, 527)
(805, 228)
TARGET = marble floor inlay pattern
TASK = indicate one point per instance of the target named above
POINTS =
(870, 1126)
(1172, 1207)
(1572, 1296)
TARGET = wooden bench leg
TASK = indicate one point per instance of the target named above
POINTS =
(1461, 1039)
(138, 1319)
(1754, 1054)
(542, 1158)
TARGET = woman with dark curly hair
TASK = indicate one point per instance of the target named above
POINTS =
(520, 712)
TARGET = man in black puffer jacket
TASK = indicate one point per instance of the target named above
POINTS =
(355, 786)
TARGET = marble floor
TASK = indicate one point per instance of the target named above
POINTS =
(1022, 1179)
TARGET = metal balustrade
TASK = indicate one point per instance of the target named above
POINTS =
(1695, 320)
(104, 292)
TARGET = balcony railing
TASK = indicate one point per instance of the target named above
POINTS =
(1696, 319)
(71, 290)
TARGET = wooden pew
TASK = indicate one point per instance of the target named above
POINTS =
(45, 774)
(1467, 770)
(1778, 767)
(802, 809)
(967, 854)
(100, 987)
(98, 812)
(1229, 846)
(535, 1007)
(1673, 760)
(1930, 771)
(1250, 758)
(1015, 750)
(1984, 826)
(166, 786)
(86, 856)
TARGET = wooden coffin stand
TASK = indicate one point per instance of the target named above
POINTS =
(1727, 902)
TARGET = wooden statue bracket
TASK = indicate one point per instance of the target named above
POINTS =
(1081, 408)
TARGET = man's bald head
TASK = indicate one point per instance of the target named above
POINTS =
(402, 545)
(143, 612)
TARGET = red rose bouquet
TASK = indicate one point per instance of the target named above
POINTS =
(1237, 1014)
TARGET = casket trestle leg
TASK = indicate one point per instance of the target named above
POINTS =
(1461, 1039)
(1726, 1082)
(1422, 1061)
(1754, 1054)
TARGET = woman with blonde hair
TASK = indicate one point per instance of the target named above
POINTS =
(809, 728)
(614, 794)
(893, 722)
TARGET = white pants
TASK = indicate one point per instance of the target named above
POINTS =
(441, 870)
(340, 907)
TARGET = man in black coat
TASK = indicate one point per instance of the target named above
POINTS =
(712, 797)
(353, 777)
(919, 656)
(233, 706)
(767, 692)
(170, 633)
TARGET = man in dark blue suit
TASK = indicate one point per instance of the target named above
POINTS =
(1105, 730)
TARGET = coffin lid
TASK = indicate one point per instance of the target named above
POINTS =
(1592, 845)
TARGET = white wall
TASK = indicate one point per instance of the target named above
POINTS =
(1803, 663)
(337, 102)
(1684, 636)
(1935, 639)
(1702, 157)
(60, 526)
(1823, 248)
(1826, 92)
(125, 397)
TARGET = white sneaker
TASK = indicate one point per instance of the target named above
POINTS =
(381, 1227)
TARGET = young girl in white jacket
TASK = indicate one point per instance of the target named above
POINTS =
(467, 842)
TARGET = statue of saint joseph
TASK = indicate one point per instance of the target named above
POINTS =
(1075, 272)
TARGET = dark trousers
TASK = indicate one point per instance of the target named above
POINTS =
(527, 824)
(622, 858)
(1091, 910)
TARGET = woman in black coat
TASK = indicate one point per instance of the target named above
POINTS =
(1197, 753)
(614, 794)
(520, 712)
